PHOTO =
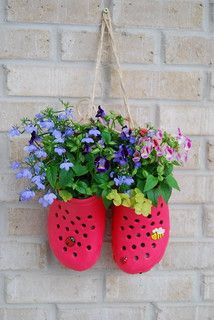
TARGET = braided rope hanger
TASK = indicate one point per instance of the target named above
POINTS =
(107, 24)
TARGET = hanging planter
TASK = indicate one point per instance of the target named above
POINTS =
(75, 231)
(102, 158)
(139, 242)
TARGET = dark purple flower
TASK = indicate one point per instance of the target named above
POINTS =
(126, 134)
(100, 113)
(34, 137)
(59, 150)
(87, 148)
(102, 164)
(121, 156)
(26, 195)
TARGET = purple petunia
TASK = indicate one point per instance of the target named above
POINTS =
(121, 155)
(126, 134)
(145, 151)
(14, 132)
(26, 195)
(100, 113)
(59, 150)
(24, 174)
(47, 199)
(94, 132)
(123, 180)
(66, 165)
(102, 164)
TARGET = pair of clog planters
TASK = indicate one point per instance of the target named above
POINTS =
(76, 230)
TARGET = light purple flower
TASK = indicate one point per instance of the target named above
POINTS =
(66, 165)
(30, 128)
(123, 180)
(30, 148)
(87, 140)
(14, 132)
(24, 174)
(65, 115)
(151, 133)
(37, 167)
(38, 180)
(26, 195)
(41, 153)
(59, 150)
(39, 116)
(15, 165)
(46, 124)
(69, 132)
(58, 136)
(94, 132)
(47, 199)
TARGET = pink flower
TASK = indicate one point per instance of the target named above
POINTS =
(169, 153)
(145, 151)
(136, 156)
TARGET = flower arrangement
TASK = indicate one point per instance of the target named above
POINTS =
(67, 159)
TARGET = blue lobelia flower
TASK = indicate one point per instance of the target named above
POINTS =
(59, 150)
(30, 128)
(65, 115)
(30, 148)
(66, 165)
(26, 195)
(58, 136)
(47, 199)
(46, 124)
(94, 132)
(102, 164)
(24, 174)
(69, 132)
(40, 153)
(15, 165)
(38, 180)
(14, 132)
(87, 139)
(123, 180)
(37, 167)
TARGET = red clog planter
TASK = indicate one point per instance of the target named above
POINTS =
(139, 242)
(76, 230)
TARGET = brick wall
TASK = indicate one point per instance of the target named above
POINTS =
(47, 50)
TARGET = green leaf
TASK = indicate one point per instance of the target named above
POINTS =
(106, 136)
(51, 174)
(66, 178)
(141, 184)
(172, 182)
(165, 191)
(79, 169)
(153, 195)
(65, 195)
(83, 188)
(151, 182)
(168, 169)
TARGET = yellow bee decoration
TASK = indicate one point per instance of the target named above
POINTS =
(157, 233)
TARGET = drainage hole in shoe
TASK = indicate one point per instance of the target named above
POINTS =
(158, 213)
(147, 255)
(58, 226)
(67, 229)
(59, 206)
(138, 235)
(122, 228)
(143, 227)
(77, 231)
(152, 223)
(161, 222)
(161, 205)
(75, 254)
(85, 235)
(153, 245)
(67, 211)
(123, 248)
(149, 216)
(131, 227)
(136, 258)
(92, 227)
(72, 222)
(148, 234)
(90, 216)
(88, 247)
(60, 238)
(78, 218)
(128, 236)
(125, 217)
(142, 244)
(79, 244)
(137, 220)
(83, 225)
(65, 248)
(56, 215)
(64, 217)
(134, 246)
